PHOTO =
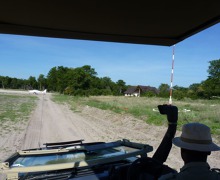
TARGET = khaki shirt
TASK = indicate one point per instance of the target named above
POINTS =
(194, 171)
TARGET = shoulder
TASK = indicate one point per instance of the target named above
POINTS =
(216, 172)
(170, 176)
(210, 174)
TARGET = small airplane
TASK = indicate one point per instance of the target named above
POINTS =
(37, 91)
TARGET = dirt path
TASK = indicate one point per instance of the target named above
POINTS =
(51, 122)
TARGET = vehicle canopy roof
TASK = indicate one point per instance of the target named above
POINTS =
(142, 22)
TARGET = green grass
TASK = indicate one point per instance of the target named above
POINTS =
(14, 108)
(203, 111)
(73, 101)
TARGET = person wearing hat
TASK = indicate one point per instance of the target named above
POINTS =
(196, 144)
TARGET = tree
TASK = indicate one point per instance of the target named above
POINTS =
(88, 70)
(214, 70)
(32, 82)
(195, 91)
(41, 81)
(52, 79)
(61, 79)
(121, 86)
(212, 84)
(164, 90)
(2, 82)
(179, 92)
(56, 79)
(107, 85)
(210, 88)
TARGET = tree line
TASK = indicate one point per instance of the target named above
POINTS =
(83, 81)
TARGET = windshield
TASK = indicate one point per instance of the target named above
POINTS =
(38, 160)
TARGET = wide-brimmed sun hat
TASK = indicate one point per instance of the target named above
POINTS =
(197, 137)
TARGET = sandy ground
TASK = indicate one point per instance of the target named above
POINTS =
(51, 122)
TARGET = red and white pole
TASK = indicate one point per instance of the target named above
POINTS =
(171, 80)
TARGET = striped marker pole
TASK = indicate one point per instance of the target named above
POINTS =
(171, 80)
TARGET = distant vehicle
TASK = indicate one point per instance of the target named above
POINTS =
(37, 91)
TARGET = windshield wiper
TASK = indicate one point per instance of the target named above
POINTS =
(48, 175)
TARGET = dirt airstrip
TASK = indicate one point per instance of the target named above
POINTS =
(51, 122)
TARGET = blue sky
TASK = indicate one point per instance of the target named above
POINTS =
(24, 56)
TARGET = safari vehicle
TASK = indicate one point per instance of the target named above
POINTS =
(72, 159)
(141, 22)
(98, 160)
(75, 160)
